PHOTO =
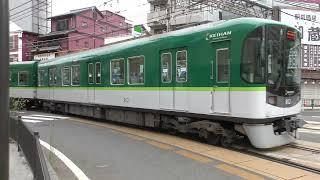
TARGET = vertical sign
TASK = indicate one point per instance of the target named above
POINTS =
(308, 22)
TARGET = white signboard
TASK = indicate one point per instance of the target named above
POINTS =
(44, 56)
(307, 22)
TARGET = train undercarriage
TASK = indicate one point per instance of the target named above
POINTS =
(267, 135)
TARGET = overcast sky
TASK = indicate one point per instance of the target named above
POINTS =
(134, 10)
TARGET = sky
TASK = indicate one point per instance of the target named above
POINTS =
(134, 10)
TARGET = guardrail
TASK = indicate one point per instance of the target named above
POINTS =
(28, 142)
(310, 103)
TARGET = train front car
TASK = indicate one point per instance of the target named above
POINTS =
(274, 50)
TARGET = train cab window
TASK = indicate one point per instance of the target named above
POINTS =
(136, 70)
(182, 66)
(52, 76)
(253, 66)
(75, 75)
(66, 76)
(23, 78)
(117, 72)
(90, 73)
(98, 73)
(41, 74)
(222, 58)
(166, 67)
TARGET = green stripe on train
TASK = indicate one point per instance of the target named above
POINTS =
(152, 88)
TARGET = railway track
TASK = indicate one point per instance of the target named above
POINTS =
(283, 160)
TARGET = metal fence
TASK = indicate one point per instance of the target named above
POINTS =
(28, 142)
(311, 103)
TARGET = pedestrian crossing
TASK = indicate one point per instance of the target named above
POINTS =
(38, 118)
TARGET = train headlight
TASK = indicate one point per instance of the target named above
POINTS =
(272, 100)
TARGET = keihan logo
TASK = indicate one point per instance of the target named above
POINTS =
(218, 35)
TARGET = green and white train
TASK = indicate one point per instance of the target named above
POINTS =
(218, 80)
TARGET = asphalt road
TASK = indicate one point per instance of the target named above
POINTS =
(308, 134)
(103, 153)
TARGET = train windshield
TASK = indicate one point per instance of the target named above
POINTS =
(283, 60)
(271, 55)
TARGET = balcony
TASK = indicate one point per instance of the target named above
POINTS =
(47, 46)
(156, 2)
(156, 18)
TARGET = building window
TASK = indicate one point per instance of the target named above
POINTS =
(166, 64)
(11, 42)
(117, 71)
(23, 78)
(90, 73)
(41, 75)
(98, 73)
(182, 69)
(102, 29)
(66, 76)
(84, 24)
(77, 43)
(86, 44)
(62, 25)
(75, 75)
(136, 70)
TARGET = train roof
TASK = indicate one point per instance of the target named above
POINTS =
(233, 24)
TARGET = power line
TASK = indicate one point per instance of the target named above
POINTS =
(19, 12)
(20, 5)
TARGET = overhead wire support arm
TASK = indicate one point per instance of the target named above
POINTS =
(244, 8)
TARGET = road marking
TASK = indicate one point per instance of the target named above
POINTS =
(160, 145)
(309, 131)
(312, 122)
(135, 137)
(31, 121)
(45, 116)
(76, 171)
(194, 156)
(238, 172)
(37, 118)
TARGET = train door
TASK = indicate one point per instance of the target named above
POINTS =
(166, 91)
(221, 84)
(90, 88)
(181, 78)
(52, 81)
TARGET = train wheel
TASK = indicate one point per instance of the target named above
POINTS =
(213, 138)
(225, 142)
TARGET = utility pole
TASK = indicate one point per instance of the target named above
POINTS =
(4, 90)
(169, 6)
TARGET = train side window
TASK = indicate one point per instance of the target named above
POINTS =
(136, 70)
(90, 73)
(166, 67)
(75, 75)
(222, 57)
(23, 78)
(117, 72)
(182, 66)
(66, 76)
(98, 73)
(52, 77)
(41, 77)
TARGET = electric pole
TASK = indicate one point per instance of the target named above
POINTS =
(169, 6)
(4, 90)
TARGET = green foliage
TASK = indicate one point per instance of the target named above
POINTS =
(18, 104)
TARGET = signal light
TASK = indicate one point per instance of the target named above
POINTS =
(291, 35)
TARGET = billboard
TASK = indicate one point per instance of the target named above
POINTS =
(308, 22)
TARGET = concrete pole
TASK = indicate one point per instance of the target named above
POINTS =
(4, 90)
